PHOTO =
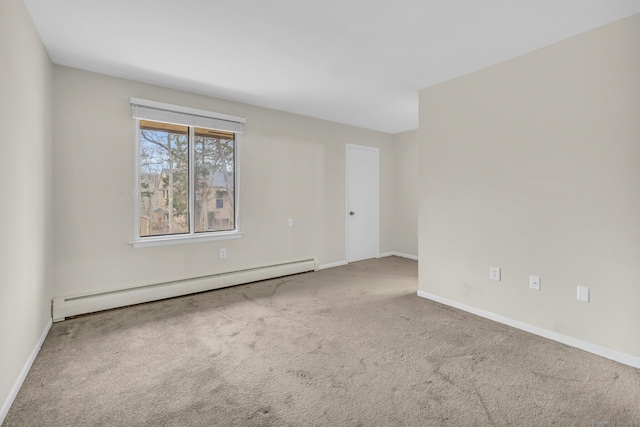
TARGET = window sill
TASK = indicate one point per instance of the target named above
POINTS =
(178, 240)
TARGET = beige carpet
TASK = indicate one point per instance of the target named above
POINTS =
(352, 345)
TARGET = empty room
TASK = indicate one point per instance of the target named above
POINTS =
(319, 213)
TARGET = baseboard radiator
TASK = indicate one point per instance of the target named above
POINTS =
(64, 307)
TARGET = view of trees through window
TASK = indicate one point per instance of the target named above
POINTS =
(168, 198)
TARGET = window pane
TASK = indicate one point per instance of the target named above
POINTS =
(214, 180)
(164, 179)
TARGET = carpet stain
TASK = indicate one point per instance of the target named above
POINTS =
(482, 402)
(318, 349)
(615, 378)
(275, 289)
(364, 365)
(304, 376)
(264, 412)
(263, 416)
(555, 378)
(221, 311)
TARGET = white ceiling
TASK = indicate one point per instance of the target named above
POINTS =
(360, 62)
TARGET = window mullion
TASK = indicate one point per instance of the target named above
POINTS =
(192, 192)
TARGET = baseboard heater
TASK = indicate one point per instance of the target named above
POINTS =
(64, 307)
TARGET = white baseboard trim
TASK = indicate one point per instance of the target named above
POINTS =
(74, 305)
(23, 374)
(332, 264)
(607, 353)
(400, 254)
(385, 254)
(409, 256)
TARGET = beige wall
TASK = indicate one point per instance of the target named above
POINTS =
(406, 192)
(25, 203)
(532, 165)
(290, 167)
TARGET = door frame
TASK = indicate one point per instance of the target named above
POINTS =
(377, 196)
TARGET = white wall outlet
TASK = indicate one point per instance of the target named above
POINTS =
(494, 273)
(534, 282)
(290, 222)
(223, 253)
(583, 294)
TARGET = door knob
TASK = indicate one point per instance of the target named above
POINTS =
(352, 213)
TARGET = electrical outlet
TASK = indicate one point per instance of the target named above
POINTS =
(223, 253)
(494, 273)
(290, 222)
(583, 294)
(534, 282)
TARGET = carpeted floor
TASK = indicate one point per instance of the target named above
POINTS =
(351, 345)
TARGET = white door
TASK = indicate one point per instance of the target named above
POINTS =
(362, 202)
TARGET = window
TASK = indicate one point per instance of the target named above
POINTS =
(186, 180)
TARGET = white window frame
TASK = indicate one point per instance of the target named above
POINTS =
(176, 114)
